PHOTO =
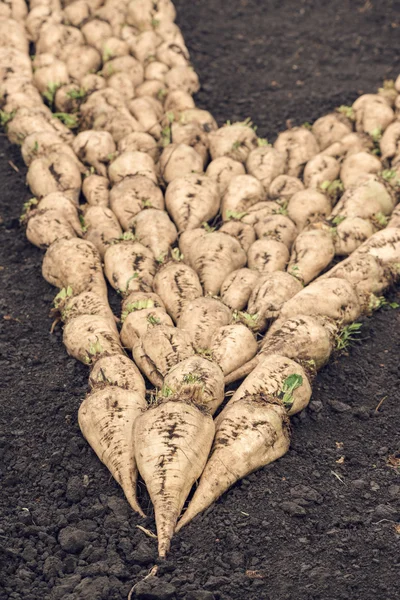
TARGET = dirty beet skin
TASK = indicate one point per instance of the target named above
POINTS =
(321, 523)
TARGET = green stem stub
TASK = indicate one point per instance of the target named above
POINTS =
(291, 383)
(348, 336)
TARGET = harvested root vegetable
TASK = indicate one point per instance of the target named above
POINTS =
(395, 217)
(143, 13)
(55, 74)
(243, 191)
(14, 9)
(133, 194)
(78, 12)
(383, 245)
(269, 378)
(160, 349)
(55, 173)
(140, 300)
(142, 46)
(191, 200)
(213, 256)
(373, 113)
(18, 85)
(298, 146)
(148, 113)
(188, 238)
(199, 379)
(38, 17)
(92, 83)
(178, 160)
(358, 167)
(103, 102)
(95, 148)
(173, 54)
(201, 318)
(90, 337)
(331, 128)
(312, 251)
(116, 122)
(139, 320)
(319, 170)
(59, 267)
(284, 187)
(366, 200)
(202, 118)
(81, 61)
(177, 101)
(192, 135)
(231, 346)
(102, 227)
(29, 100)
(351, 233)
(234, 141)
(96, 190)
(14, 62)
(183, 79)
(365, 272)
(138, 141)
(177, 284)
(155, 230)
(130, 164)
(85, 303)
(236, 289)
(243, 232)
(154, 89)
(155, 71)
(58, 40)
(54, 218)
(390, 141)
(223, 169)
(12, 35)
(123, 84)
(308, 207)
(117, 370)
(258, 212)
(266, 164)
(115, 14)
(350, 144)
(24, 124)
(266, 256)
(68, 98)
(333, 298)
(276, 227)
(106, 418)
(269, 294)
(249, 435)
(96, 31)
(129, 267)
(173, 461)
(303, 338)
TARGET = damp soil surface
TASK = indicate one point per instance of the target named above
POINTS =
(322, 522)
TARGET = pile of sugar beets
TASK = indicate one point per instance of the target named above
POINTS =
(215, 240)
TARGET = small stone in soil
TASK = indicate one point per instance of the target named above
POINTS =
(339, 407)
(75, 489)
(154, 589)
(199, 595)
(72, 540)
(293, 509)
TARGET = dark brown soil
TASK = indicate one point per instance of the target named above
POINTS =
(321, 523)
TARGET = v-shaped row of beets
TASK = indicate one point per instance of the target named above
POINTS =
(211, 236)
